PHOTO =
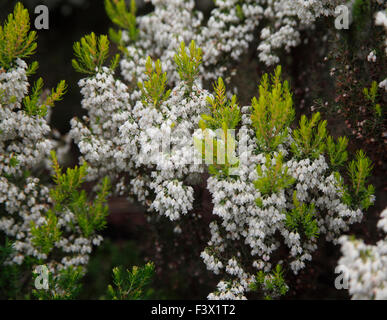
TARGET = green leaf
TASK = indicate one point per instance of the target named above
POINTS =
(91, 52)
(45, 235)
(153, 90)
(337, 152)
(16, 39)
(359, 193)
(274, 178)
(273, 111)
(309, 138)
(131, 284)
(301, 219)
(125, 18)
(188, 64)
(270, 284)
(223, 112)
(67, 285)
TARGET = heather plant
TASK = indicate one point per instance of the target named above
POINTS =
(224, 37)
(24, 143)
(364, 265)
(154, 134)
(272, 285)
(48, 227)
(59, 235)
(131, 285)
(122, 17)
(288, 192)
(124, 131)
(358, 69)
(17, 41)
(284, 181)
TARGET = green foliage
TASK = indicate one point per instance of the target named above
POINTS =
(372, 92)
(66, 183)
(116, 37)
(371, 95)
(239, 12)
(309, 138)
(337, 152)
(222, 111)
(32, 103)
(272, 284)
(124, 18)
(67, 285)
(359, 193)
(273, 112)
(131, 285)
(45, 235)
(56, 94)
(275, 177)
(16, 39)
(188, 65)
(9, 274)
(301, 219)
(91, 52)
(90, 217)
(378, 110)
(219, 151)
(359, 171)
(154, 89)
(13, 161)
(108, 255)
(66, 195)
(361, 11)
(32, 68)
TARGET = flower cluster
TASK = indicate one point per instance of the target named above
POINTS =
(145, 145)
(289, 19)
(224, 37)
(284, 193)
(278, 189)
(365, 266)
(24, 138)
(381, 20)
(284, 182)
(42, 224)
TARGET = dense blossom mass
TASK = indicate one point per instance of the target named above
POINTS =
(25, 146)
(253, 211)
(42, 222)
(227, 34)
(364, 266)
(157, 134)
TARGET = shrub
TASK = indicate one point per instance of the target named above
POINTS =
(285, 194)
